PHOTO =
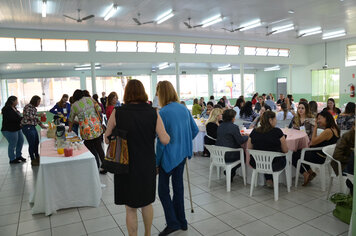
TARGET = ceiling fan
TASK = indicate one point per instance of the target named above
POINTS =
(79, 20)
(138, 22)
(232, 30)
(189, 26)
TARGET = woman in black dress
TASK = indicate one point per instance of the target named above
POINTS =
(137, 189)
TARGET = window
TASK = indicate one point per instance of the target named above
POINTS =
(27, 44)
(193, 86)
(146, 46)
(170, 78)
(250, 51)
(165, 47)
(54, 45)
(249, 84)
(108, 85)
(127, 46)
(232, 50)
(203, 48)
(77, 45)
(228, 85)
(261, 51)
(218, 49)
(105, 46)
(187, 48)
(273, 52)
(325, 84)
(284, 52)
(351, 55)
(7, 44)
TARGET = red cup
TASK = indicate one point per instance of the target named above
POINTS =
(43, 117)
(68, 152)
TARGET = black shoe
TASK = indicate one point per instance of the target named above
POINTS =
(15, 161)
(21, 159)
(184, 228)
(167, 231)
(103, 171)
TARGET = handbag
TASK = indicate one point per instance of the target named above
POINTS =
(117, 159)
(343, 209)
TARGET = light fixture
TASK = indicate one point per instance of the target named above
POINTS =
(291, 12)
(250, 25)
(87, 67)
(112, 10)
(44, 8)
(334, 34)
(165, 16)
(163, 66)
(284, 28)
(223, 68)
(273, 68)
(212, 20)
(308, 32)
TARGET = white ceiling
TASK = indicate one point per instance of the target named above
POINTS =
(329, 14)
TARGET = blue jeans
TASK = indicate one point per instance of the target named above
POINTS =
(15, 140)
(173, 208)
(31, 135)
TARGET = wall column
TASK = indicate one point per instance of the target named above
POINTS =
(210, 84)
(153, 84)
(177, 80)
(242, 73)
(83, 81)
(289, 80)
(4, 95)
(93, 77)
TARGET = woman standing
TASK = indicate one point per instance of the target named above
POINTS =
(171, 158)
(137, 189)
(332, 108)
(303, 120)
(329, 136)
(29, 122)
(62, 108)
(11, 129)
(85, 108)
(111, 103)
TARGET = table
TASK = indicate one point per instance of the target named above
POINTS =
(198, 141)
(65, 182)
(296, 139)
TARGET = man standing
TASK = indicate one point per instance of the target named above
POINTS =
(103, 99)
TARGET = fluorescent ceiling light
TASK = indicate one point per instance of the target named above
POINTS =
(223, 68)
(308, 32)
(273, 68)
(44, 8)
(291, 12)
(87, 67)
(280, 29)
(112, 10)
(212, 20)
(163, 66)
(334, 34)
(250, 25)
(165, 16)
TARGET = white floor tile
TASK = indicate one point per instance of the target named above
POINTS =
(8, 230)
(305, 229)
(109, 232)
(75, 229)
(45, 232)
(91, 213)
(211, 226)
(236, 218)
(9, 219)
(33, 226)
(281, 221)
(302, 213)
(259, 210)
(257, 228)
(65, 218)
(321, 205)
(218, 208)
(329, 224)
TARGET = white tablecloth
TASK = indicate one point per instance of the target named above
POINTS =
(198, 141)
(66, 182)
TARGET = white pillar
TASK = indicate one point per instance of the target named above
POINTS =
(289, 81)
(93, 78)
(242, 72)
(83, 81)
(210, 84)
(177, 80)
(4, 95)
(153, 84)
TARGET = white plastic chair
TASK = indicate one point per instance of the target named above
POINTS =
(264, 161)
(321, 167)
(283, 123)
(329, 151)
(217, 159)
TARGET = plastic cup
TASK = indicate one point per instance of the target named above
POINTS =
(68, 152)
(60, 151)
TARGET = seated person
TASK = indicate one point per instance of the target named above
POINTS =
(346, 119)
(228, 135)
(221, 102)
(329, 136)
(271, 103)
(303, 119)
(260, 103)
(257, 122)
(206, 113)
(284, 114)
(268, 138)
(212, 125)
(332, 108)
(344, 149)
(238, 105)
(196, 109)
(246, 112)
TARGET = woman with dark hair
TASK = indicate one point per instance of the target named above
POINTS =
(221, 102)
(85, 108)
(29, 122)
(209, 107)
(240, 102)
(247, 113)
(141, 121)
(111, 103)
(254, 99)
(86, 93)
(171, 158)
(11, 130)
(268, 138)
(62, 108)
(313, 107)
(346, 119)
(96, 98)
(329, 136)
(290, 105)
(284, 114)
(196, 109)
(332, 108)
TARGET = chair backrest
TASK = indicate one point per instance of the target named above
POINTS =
(342, 132)
(217, 153)
(329, 150)
(283, 123)
(264, 159)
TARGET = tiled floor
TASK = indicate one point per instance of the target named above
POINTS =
(303, 211)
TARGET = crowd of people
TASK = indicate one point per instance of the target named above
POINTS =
(169, 121)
